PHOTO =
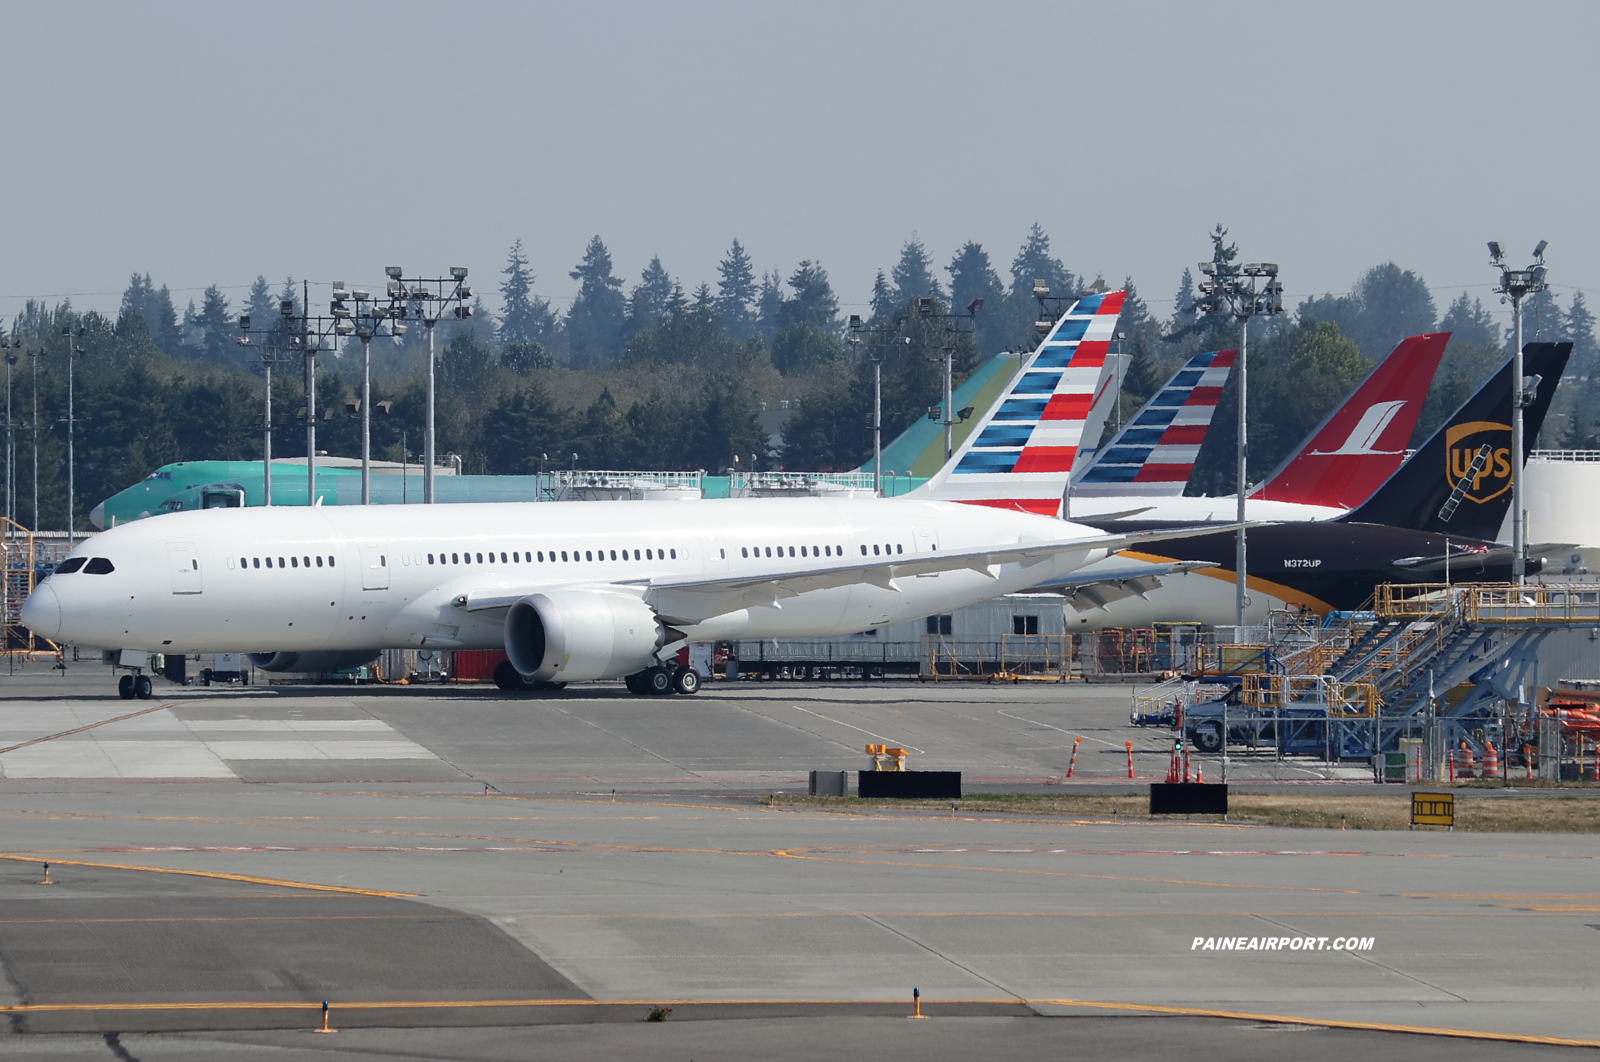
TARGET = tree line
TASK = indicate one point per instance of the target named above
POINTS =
(655, 376)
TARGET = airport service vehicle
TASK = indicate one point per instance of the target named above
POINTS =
(571, 592)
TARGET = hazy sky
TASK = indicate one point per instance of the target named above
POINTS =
(207, 143)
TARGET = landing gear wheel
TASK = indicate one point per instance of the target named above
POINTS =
(1207, 737)
(657, 681)
(686, 681)
(506, 676)
(635, 682)
(125, 687)
(142, 687)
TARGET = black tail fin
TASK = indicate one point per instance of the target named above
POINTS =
(1416, 495)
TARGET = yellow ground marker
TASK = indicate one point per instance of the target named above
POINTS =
(280, 882)
(81, 729)
(483, 1004)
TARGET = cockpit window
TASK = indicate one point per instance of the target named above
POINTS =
(70, 565)
(98, 566)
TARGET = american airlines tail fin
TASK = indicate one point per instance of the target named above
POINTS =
(1021, 454)
(1459, 482)
(1363, 441)
(1154, 454)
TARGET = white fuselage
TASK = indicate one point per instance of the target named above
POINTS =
(401, 576)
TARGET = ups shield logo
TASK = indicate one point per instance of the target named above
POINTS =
(1462, 443)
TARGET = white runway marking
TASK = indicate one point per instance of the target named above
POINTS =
(161, 745)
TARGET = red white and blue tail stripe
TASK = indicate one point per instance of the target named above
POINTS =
(1153, 455)
(1021, 455)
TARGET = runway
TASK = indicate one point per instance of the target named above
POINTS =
(342, 845)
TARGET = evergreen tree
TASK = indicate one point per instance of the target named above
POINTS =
(1034, 262)
(1386, 305)
(1135, 313)
(214, 329)
(737, 292)
(883, 300)
(973, 277)
(652, 299)
(813, 302)
(913, 274)
(595, 319)
(1183, 313)
(802, 348)
(523, 356)
(1468, 322)
(521, 425)
(1580, 330)
(770, 306)
(524, 317)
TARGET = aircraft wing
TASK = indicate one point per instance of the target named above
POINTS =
(698, 598)
(1101, 585)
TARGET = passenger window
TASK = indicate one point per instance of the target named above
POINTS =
(769, 551)
(635, 554)
(308, 561)
(802, 551)
(744, 551)
(502, 558)
(430, 558)
(98, 566)
(269, 562)
(874, 549)
(791, 551)
(319, 562)
(563, 555)
(516, 558)
(256, 563)
(294, 562)
(722, 554)
(649, 554)
(244, 562)
(541, 556)
(898, 548)
(455, 558)
(70, 565)
(280, 562)
(863, 549)
(827, 551)
(330, 562)
(674, 554)
(383, 561)
(480, 557)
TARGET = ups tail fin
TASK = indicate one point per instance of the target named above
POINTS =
(1153, 455)
(1021, 454)
(1363, 441)
(1416, 495)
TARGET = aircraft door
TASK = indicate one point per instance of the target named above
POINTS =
(184, 564)
(374, 568)
(927, 539)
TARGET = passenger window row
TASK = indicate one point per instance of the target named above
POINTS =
(887, 548)
(283, 562)
(519, 557)
(89, 566)
(816, 551)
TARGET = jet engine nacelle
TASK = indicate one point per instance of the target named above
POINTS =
(573, 635)
(332, 660)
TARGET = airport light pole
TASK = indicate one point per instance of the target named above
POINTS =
(953, 330)
(306, 334)
(11, 478)
(71, 335)
(429, 299)
(1515, 285)
(270, 356)
(1242, 292)
(367, 318)
(34, 356)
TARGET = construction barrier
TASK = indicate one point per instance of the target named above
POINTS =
(1188, 799)
(918, 785)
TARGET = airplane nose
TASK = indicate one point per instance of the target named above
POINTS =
(41, 613)
(97, 516)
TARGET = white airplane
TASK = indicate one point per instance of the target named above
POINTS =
(571, 592)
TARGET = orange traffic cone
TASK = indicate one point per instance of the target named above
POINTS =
(1465, 768)
(1491, 761)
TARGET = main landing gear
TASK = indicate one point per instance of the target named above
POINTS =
(662, 680)
(509, 678)
(131, 686)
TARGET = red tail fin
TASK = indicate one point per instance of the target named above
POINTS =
(1363, 441)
